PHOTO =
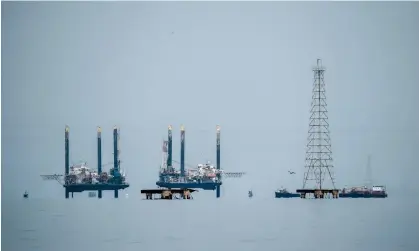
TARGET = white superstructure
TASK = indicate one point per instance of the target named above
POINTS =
(378, 188)
(81, 173)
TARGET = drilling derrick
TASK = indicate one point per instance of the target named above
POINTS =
(318, 167)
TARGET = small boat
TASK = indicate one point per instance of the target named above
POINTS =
(26, 195)
(92, 194)
(250, 194)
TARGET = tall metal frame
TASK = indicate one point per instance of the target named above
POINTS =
(318, 161)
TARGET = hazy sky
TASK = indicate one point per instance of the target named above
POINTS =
(243, 65)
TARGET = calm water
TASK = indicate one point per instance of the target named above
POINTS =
(226, 224)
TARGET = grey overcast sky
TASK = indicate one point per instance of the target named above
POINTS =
(243, 65)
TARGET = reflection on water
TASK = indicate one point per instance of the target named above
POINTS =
(241, 223)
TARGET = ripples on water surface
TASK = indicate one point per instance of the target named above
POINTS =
(243, 224)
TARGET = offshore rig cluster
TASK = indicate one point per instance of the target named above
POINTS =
(181, 183)
(171, 182)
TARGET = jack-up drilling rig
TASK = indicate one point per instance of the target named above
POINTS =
(203, 176)
(79, 178)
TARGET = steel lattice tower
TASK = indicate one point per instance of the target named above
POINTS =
(319, 152)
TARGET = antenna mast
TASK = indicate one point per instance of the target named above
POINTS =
(368, 180)
(319, 152)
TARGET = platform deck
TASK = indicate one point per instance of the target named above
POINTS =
(318, 193)
(184, 185)
(167, 194)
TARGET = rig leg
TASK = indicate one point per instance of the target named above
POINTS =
(72, 195)
(218, 191)
(67, 193)
(115, 194)
(99, 194)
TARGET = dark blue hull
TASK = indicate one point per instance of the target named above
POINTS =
(286, 195)
(181, 185)
(362, 195)
(74, 188)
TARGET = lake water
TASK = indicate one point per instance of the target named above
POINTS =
(205, 223)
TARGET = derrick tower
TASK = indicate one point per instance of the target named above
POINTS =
(318, 162)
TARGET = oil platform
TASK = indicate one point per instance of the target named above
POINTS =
(205, 176)
(319, 152)
(79, 178)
